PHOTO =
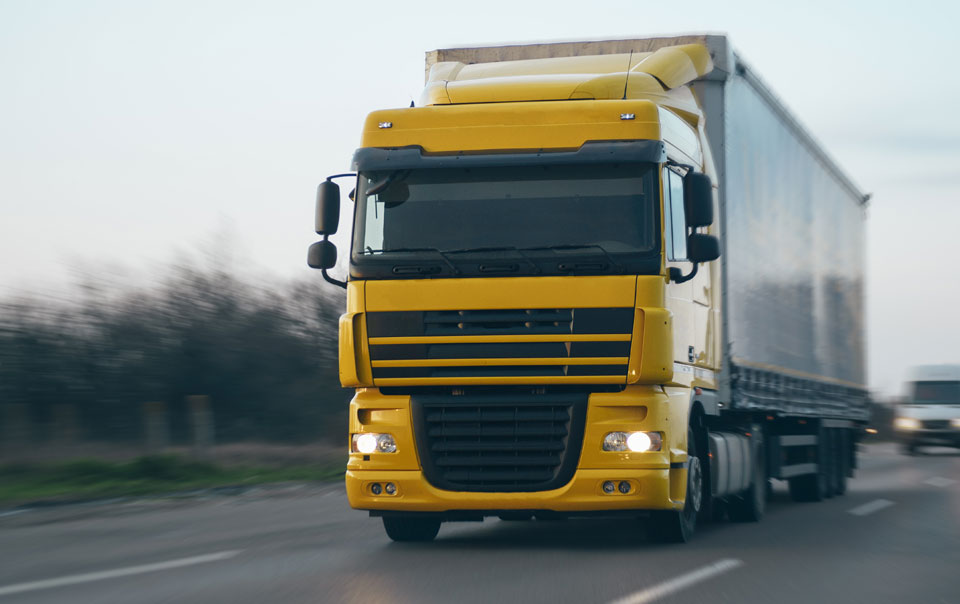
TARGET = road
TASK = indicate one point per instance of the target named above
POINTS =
(894, 537)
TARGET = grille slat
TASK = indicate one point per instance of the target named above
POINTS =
(486, 429)
(500, 477)
(493, 443)
(487, 445)
(518, 461)
(496, 415)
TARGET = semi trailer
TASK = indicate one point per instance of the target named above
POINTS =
(596, 278)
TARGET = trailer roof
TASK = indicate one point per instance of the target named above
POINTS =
(725, 64)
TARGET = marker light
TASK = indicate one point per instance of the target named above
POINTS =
(636, 442)
(369, 442)
(628, 116)
(385, 125)
(906, 423)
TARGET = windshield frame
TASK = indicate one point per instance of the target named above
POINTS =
(511, 260)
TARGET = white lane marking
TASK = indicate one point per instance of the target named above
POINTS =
(12, 513)
(868, 508)
(939, 481)
(113, 574)
(682, 582)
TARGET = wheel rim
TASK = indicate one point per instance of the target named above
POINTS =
(694, 484)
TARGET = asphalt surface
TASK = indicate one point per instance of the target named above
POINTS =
(894, 537)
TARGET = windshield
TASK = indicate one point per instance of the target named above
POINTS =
(449, 216)
(933, 393)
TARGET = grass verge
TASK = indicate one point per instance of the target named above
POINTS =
(93, 479)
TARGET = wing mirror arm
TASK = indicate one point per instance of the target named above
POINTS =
(677, 276)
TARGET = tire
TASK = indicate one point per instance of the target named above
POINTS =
(674, 526)
(750, 505)
(828, 457)
(843, 462)
(814, 487)
(411, 529)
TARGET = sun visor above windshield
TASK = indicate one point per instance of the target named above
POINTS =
(367, 159)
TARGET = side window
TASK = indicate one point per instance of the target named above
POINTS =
(675, 223)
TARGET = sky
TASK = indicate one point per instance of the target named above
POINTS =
(135, 133)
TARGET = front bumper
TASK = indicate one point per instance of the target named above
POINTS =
(948, 437)
(650, 490)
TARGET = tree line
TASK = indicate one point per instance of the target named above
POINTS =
(265, 354)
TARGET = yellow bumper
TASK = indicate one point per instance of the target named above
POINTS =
(650, 490)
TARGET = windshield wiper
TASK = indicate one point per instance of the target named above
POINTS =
(613, 262)
(503, 248)
(442, 254)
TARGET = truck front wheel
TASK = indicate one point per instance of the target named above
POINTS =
(411, 529)
(678, 526)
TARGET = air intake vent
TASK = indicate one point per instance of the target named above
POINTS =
(503, 443)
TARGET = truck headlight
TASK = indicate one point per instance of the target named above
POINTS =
(636, 442)
(906, 423)
(955, 422)
(369, 442)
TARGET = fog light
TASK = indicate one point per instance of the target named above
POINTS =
(376, 489)
(609, 487)
(624, 487)
(390, 488)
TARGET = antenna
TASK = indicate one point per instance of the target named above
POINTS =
(626, 80)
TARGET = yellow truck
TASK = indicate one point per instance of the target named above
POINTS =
(540, 322)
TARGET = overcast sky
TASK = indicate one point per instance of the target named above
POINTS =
(131, 132)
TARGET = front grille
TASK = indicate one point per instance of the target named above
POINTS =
(936, 424)
(499, 442)
(500, 343)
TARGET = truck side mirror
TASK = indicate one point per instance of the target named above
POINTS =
(322, 255)
(328, 208)
(702, 247)
(698, 199)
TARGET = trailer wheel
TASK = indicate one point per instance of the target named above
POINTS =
(750, 505)
(842, 463)
(678, 526)
(411, 529)
(816, 486)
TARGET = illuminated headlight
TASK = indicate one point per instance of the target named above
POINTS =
(955, 422)
(906, 423)
(632, 441)
(369, 442)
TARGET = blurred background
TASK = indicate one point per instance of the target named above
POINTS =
(158, 163)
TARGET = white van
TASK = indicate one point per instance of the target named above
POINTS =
(931, 413)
